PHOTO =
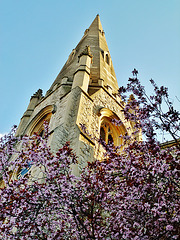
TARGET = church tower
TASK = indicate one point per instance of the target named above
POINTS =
(84, 93)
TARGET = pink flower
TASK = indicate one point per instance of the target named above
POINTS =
(169, 227)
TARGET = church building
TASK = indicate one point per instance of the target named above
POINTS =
(85, 93)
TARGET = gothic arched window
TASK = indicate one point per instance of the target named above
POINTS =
(37, 123)
(109, 131)
(39, 128)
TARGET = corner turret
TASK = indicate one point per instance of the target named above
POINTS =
(35, 98)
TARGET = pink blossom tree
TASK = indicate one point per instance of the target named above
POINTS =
(131, 194)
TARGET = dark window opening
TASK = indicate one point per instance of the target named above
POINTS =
(107, 59)
(41, 134)
(102, 133)
(110, 139)
(102, 52)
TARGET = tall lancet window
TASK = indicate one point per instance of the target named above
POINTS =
(107, 59)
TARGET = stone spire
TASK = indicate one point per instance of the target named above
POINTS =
(101, 67)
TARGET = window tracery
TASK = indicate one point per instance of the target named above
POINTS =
(109, 131)
(37, 123)
(106, 132)
(39, 128)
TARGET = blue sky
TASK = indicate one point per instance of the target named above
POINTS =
(37, 37)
